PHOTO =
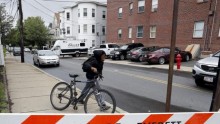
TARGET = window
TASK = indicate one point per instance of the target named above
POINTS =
(102, 46)
(103, 14)
(140, 31)
(103, 30)
(219, 32)
(93, 43)
(103, 42)
(93, 29)
(68, 30)
(85, 28)
(154, 5)
(129, 32)
(131, 8)
(120, 13)
(78, 12)
(93, 12)
(85, 12)
(67, 16)
(82, 44)
(78, 28)
(141, 4)
(198, 29)
(153, 30)
(119, 33)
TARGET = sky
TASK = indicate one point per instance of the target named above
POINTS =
(43, 8)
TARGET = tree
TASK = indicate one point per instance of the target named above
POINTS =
(35, 32)
(5, 24)
(13, 37)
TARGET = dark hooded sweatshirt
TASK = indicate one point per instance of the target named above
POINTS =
(94, 61)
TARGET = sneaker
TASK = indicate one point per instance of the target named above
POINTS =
(105, 107)
(81, 102)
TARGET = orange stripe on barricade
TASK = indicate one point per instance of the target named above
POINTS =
(105, 119)
(199, 118)
(43, 119)
(159, 118)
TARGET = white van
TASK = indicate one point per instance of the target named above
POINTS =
(70, 47)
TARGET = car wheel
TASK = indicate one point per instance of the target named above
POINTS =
(34, 62)
(58, 65)
(122, 57)
(187, 58)
(38, 64)
(199, 82)
(140, 59)
(161, 60)
(77, 55)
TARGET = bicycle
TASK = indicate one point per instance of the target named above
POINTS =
(97, 100)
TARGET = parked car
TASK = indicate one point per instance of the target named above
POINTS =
(162, 55)
(45, 57)
(121, 53)
(136, 54)
(205, 70)
(27, 50)
(16, 51)
(105, 47)
(33, 51)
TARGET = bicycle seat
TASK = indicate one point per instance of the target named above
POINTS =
(73, 75)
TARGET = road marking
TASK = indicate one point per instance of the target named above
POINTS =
(159, 81)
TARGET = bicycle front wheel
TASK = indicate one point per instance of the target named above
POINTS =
(101, 102)
(60, 96)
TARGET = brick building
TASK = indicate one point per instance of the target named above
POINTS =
(150, 22)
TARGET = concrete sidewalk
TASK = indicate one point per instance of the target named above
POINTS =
(29, 89)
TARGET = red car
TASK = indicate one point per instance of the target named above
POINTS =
(162, 55)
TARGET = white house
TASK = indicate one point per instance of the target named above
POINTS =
(86, 21)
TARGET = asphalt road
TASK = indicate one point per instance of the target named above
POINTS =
(139, 90)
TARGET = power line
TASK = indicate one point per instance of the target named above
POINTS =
(44, 6)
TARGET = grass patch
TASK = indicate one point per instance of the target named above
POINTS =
(3, 99)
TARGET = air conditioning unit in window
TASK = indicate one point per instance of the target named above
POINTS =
(202, 1)
(154, 10)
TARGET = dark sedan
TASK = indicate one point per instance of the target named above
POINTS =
(162, 55)
(137, 53)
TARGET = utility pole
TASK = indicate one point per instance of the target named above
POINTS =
(215, 104)
(172, 54)
(21, 29)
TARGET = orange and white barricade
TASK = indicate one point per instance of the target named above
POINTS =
(160, 118)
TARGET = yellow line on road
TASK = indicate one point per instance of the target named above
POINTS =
(159, 81)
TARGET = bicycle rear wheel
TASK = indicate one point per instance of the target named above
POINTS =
(93, 105)
(60, 96)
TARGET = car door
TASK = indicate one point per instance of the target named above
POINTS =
(166, 53)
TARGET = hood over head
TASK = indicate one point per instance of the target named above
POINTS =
(98, 54)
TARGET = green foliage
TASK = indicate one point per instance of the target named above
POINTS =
(36, 32)
(5, 24)
(13, 37)
(3, 100)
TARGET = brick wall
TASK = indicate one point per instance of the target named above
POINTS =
(189, 12)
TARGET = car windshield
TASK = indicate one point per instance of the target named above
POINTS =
(216, 54)
(46, 53)
(137, 48)
(159, 50)
(124, 47)
(16, 49)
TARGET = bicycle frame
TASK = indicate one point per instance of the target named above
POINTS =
(73, 84)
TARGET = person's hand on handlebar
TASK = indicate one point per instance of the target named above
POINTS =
(94, 70)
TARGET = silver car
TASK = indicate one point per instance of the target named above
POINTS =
(205, 70)
(45, 57)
